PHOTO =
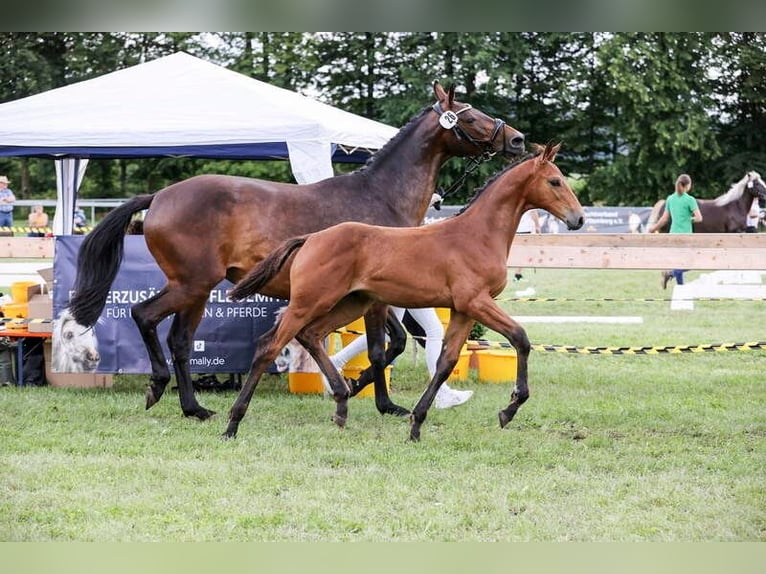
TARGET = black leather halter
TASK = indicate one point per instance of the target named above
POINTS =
(486, 146)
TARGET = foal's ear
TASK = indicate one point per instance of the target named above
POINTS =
(551, 150)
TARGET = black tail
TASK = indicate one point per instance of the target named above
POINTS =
(99, 259)
(265, 271)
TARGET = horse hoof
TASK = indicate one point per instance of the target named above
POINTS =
(201, 413)
(395, 410)
(504, 419)
(340, 421)
(151, 399)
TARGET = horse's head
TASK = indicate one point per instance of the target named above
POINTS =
(75, 343)
(475, 133)
(547, 189)
(755, 186)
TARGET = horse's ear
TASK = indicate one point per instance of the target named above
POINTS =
(451, 95)
(439, 92)
(551, 150)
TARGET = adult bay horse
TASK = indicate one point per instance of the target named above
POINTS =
(726, 213)
(210, 227)
(335, 275)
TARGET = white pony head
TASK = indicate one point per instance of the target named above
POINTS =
(75, 349)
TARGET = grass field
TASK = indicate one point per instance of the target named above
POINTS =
(667, 447)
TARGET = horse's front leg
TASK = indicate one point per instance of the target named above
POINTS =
(485, 310)
(376, 321)
(457, 332)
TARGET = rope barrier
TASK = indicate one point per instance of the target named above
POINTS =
(37, 229)
(619, 300)
(606, 350)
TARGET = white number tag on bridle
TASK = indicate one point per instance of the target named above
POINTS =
(448, 120)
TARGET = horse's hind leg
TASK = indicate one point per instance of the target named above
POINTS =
(180, 343)
(380, 357)
(147, 315)
(313, 344)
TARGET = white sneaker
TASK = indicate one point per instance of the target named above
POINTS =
(447, 398)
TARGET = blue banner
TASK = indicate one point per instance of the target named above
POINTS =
(224, 341)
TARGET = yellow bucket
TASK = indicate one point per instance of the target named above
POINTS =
(20, 291)
(16, 310)
(444, 314)
(361, 359)
(352, 372)
(305, 383)
(496, 366)
(462, 367)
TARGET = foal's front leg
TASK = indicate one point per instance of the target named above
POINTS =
(457, 332)
(486, 311)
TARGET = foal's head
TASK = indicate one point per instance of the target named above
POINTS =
(547, 188)
(472, 132)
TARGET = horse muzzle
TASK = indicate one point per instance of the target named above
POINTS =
(575, 221)
(513, 143)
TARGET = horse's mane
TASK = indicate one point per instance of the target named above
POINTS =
(487, 183)
(736, 190)
(385, 151)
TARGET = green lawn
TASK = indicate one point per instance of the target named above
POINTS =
(667, 447)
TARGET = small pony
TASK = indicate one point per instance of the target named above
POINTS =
(75, 348)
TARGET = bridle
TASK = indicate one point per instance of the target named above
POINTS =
(449, 120)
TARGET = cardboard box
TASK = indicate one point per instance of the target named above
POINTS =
(47, 275)
(40, 307)
(40, 325)
(76, 380)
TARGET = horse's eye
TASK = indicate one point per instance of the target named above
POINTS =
(555, 182)
(68, 335)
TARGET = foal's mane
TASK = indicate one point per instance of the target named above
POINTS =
(538, 150)
(736, 190)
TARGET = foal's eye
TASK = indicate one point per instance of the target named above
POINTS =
(68, 335)
(555, 182)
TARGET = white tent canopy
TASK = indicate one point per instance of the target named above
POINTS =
(180, 105)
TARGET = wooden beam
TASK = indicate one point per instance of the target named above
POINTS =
(745, 251)
(26, 247)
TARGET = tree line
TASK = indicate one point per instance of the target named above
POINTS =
(632, 109)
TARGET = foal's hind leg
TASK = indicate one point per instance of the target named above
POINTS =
(313, 344)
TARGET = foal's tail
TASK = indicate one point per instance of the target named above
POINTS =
(265, 271)
(99, 259)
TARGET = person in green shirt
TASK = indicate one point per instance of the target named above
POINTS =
(682, 210)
